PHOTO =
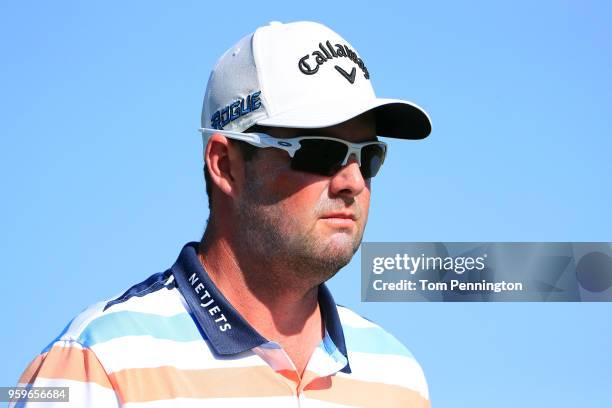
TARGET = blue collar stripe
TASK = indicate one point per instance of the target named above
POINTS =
(332, 322)
(226, 330)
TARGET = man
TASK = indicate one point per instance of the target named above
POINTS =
(243, 318)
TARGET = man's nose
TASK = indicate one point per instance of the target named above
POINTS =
(348, 181)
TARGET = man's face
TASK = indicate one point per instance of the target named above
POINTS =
(311, 223)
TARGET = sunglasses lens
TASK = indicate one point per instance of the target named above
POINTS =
(372, 157)
(319, 156)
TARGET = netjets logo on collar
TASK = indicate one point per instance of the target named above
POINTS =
(327, 52)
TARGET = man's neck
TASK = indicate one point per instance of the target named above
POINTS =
(277, 304)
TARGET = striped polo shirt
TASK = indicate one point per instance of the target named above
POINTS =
(174, 340)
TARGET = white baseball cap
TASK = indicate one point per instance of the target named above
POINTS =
(300, 75)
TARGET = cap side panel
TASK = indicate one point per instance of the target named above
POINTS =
(233, 96)
(259, 69)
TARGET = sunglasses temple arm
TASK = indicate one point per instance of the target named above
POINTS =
(252, 138)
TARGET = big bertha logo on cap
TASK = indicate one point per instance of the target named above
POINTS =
(327, 52)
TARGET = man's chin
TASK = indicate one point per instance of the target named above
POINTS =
(341, 246)
(326, 256)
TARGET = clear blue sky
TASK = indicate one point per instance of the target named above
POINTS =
(100, 164)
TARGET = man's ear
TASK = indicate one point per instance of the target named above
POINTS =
(225, 164)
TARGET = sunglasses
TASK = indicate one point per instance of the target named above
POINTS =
(316, 154)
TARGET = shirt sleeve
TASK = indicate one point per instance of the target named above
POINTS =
(67, 363)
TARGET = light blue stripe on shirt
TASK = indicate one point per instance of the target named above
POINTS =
(180, 327)
(373, 340)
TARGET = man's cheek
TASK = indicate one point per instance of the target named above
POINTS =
(364, 203)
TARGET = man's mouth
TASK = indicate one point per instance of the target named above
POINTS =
(340, 219)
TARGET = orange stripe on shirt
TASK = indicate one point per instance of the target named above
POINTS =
(30, 373)
(70, 363)
(149, 384)
(342, 390)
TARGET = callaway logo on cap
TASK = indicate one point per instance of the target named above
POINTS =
(300, 75)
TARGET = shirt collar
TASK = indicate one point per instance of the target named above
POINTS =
(227, 331)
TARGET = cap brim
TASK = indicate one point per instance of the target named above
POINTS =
(394, 118)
